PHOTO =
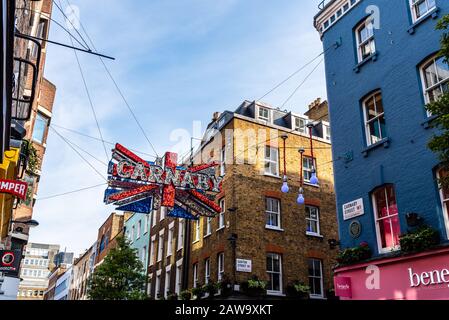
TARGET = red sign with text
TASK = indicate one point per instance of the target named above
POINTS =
(343, 287)
(16, 188)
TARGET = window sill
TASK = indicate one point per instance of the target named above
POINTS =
(196, 241)
(434, 13)
(179, 249)
(274, 228)
(207, 235)
(219, 229)
(372, 57)
(272, 175)
(314, 235)
(384, 142)
(312, 185)
(275, 293)
(317, 297)
(426, 123)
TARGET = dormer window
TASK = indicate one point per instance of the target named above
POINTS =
(300, 125)
(264, 114)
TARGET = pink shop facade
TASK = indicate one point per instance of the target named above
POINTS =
(423, 276)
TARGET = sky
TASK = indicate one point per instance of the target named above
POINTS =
(177, 62)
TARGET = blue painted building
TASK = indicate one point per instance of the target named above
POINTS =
(381, 69)
(137, 231)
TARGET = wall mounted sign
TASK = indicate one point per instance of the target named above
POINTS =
(16, 188)
(243, 265)
(355, 229)
(343, 287)
(353, 209)
(187, 193)
(10, 261)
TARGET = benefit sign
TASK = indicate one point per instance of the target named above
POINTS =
(141, 186)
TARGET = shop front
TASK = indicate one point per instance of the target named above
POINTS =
(422, 276)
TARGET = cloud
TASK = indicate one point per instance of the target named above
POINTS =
(177, 62)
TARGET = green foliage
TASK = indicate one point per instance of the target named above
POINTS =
(354, 255)
(33, 162)
(420, 240)
(440, 110)
(120, 276)
(298, 289)
(185, 295)
(211, 288)
(254, 287)
(198, 292)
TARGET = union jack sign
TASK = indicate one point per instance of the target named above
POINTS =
(137, 185)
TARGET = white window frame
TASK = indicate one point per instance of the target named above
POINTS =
(272, 163)
(180, 234)
(440, 84)
(157, 290)
(171, 231)
(272, 292)
(297, 127)
(196, 230)
(375, 119)
(139, 229)
(178, 285)
(317, 220)
(377, 220)
(307, 169)
(368, 23)
(154, 218)
(163, 213)
(414, 6)
(152, 250)
(208, 228)
(207, 271)
(220, 266)
(321, 277)
(221, 215)
(144, 256)
(443, 206)
(263, 117)
(195, 275)
(223, 161)
(146, 223)
(167, 281)
(160, 246)
(277, 214)
(133, 233)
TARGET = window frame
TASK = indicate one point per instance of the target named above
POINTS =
(223, 161)
(206, 271)
(426, 90)
(268, 160)
(413, 4)
(220, 266)
(298, 128)
(171, 232)
(321, 277)
(221, 215)
(281, 287)
(317, 220)
(370, 40)
(377, 220)
(160, 247)
(208, 229)
(180, 244)
(277, 214)
(263, 118)
(45, 129)
(366, 122)
(307, 169)
(195, 275)
(197, 230)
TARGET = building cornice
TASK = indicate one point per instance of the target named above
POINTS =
(332, 13)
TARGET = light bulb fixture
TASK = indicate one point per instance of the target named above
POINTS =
(313, 178)
(285, 188)
(300, 200)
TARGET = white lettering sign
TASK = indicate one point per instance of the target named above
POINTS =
(244, 265)
(425, 279)
(353, 209)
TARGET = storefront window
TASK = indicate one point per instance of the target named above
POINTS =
(387, 219)
(445, 199)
